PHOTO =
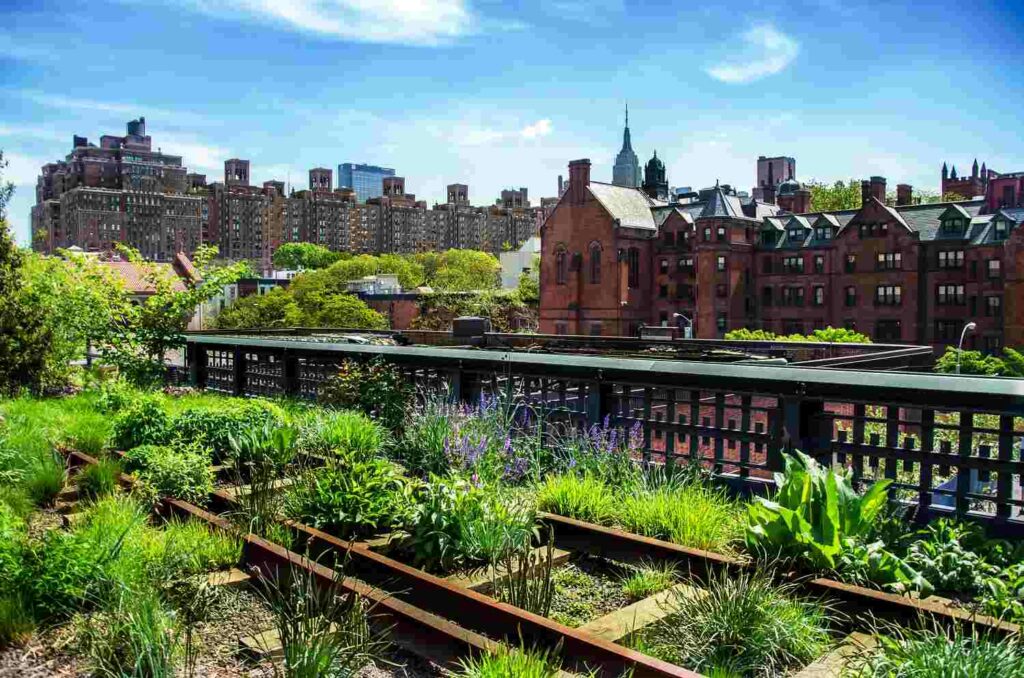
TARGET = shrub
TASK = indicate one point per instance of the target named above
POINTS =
(354, 500)
(971, 362)
(182, 474)
(936, 653)
(457, 524)
(581, 497)
(99, 479)
(945, 558)
(349, 434)
(692, 514)
(423, 446)
(265, 444)
(742, 624)
(25, 338)
(377, 388)
(44, 480)
(647, 579)
(504, 662)
(605, 451)
(143, 422)
(213, 427)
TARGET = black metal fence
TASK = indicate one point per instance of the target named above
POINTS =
(951, 445)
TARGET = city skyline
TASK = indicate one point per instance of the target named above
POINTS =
(445, 94)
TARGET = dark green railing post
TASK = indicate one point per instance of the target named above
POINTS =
(599, 400)
(238, 363)
(289, 373)
(802, 423)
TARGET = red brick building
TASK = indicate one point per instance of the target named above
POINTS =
(613, 259)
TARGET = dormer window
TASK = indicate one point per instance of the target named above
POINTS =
(953, 226)
(768, 237)
(823, 233)
(796, 234)
(999, 230)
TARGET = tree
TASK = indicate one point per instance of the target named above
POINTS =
(971, 362)
(834, 335)
(348, 311)
(142, 336)
(304, 256)
(467, 270)
(506, 310)
(25, 340)
(842, 195)
(529, 283)
(269, 310)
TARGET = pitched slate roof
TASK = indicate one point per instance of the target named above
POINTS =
(722, 205)
(630, 206)
(926, 219)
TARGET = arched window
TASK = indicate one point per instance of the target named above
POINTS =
(595, 264)
(561, 266)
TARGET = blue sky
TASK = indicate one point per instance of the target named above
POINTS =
(505, 94)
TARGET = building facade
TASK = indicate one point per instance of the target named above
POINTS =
(366, 180)
(614, 258)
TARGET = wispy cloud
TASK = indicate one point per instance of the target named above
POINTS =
(195, 154)
(127, 109)
(405, 22)
(769, 51)
(484, 136)
(21, 169)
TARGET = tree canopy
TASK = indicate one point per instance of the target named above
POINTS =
(840, 195)
(835, 335)
(304, 256)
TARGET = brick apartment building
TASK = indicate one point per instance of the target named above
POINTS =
(124, 192)
(615, 258)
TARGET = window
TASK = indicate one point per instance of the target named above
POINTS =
(684, 291)
(823, 233)
(949, 295)
(888, 330)
(850, 264)
(992, 344)
(819, 295)
(819, 263)
(722, 322)
(999, 230)
(792, 296)
(994, 268)
(720, 264)
(663, 291)
(721, 233)
(633, 256)
(953, 226)
(795, 235)
(707, 233)
(595, 329)
(888, 295)
(766, 296)
(1007, 196)
(595, 264)
(561, 267)
(993, 306)
(889, 261)
(686, 264)
(951, 259)
(663, 266)
(947, 330)
(669, 238)
(873, 230)
(793, 264)
(721, 290)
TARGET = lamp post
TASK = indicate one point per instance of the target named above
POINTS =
(688, 334)
(969, 327)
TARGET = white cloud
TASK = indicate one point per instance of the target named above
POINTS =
(486, 136)
(195, 154)
(406, 22)
(769, 51)
(22, 170)
(541, 128)
(126, 109)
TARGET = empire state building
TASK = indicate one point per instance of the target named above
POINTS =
(627, 167)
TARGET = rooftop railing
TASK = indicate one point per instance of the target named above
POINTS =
(951, 445)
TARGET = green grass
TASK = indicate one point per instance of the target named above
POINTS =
(692, 514)
(348, 434)
(99, 479)
(16, 621)
(192, 547)
(931, 653)
(742, 625)
(135, 636)
(44, 480)
(647, 579)
(581, 497)
(586, 589)
(506, 662)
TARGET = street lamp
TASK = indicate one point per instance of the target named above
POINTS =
(969, 327)
(688, 334)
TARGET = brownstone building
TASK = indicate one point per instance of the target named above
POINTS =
(614, 258)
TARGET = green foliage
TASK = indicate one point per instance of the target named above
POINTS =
(25, 338)
(274, 309)
(971, 362)
(377, 388)
(214, 427)
(324, 631)
(1003, 593)
(465, 271)
(744, 625)
(945, 558)
(344, 310)
(834, 335)
(577, 496)
(297, 256)
(44, 480)
(16, 621)
(136, 636)
(143, 422)
(646, 579)
(181, 473)
(935, 653)
(423, 446)
(507, 310)
(504, 662)
(99, 479)
(192, 547)
(347, 434)
(355, 500)
(459, 524)
(692, 514)
(529, 283)
(842, 195)
(522, 577)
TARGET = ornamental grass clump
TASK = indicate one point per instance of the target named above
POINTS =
(347, 433)
(44, 479)
(505, 662)
(583, 497)
(743, 625)
(692, 514)
(99, 479)
(648, 578)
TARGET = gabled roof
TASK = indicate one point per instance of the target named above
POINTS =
(139, 277)
(954, 210)
(1013, 214)
(661, 214)
(755, 209)
(826, 220)
(926, 220)
(630, 206)
(722, 205)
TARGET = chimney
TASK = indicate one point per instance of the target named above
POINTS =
(878, 189)
(865, 192)
(768, 193)
(904, 194)
(559, 185)
(579, 179)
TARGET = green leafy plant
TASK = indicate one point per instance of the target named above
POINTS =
(349, 434)
(214, 427)
(646, 579)
(583, 497)
(136, 636)
(691, 514)
(1003, 593)
(99, 479)
(743, 624)
(377, 388)
(423, 445)
(505, 662)
(522, 577)
(944, 556)
(934, 652)
(179, 473)
(143, 422)
(325, 631)
(44, 480)
(353, 500)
